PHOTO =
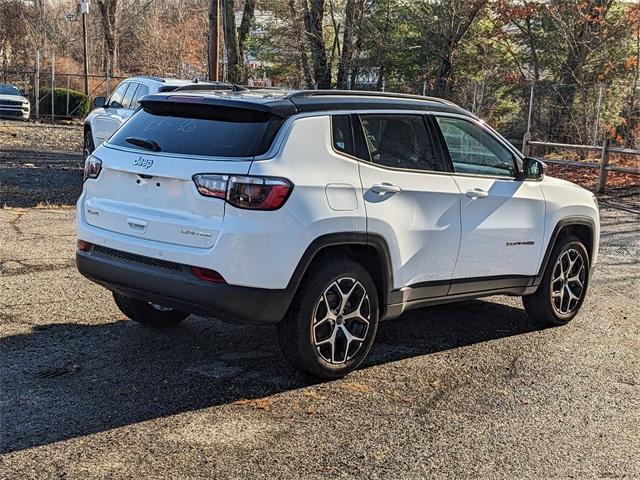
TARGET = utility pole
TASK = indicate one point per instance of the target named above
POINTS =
(53, 87)
(84, 11)
(36, 86)
(214, 40)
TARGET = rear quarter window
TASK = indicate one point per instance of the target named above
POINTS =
(188, 131)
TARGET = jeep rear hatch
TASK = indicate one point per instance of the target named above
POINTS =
(146, 189)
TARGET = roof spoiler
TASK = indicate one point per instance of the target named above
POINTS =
(230, 109)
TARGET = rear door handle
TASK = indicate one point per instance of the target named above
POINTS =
(477, 193)
(385, 188)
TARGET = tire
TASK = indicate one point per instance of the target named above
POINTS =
(564, 284)
(88, 147)
(148, 314)
(313, 338)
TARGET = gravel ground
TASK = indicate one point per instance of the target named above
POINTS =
(40, 164)
(474, 389)
(468, 390)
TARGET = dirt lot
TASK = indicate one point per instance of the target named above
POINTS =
(39, 164)
(468, 390)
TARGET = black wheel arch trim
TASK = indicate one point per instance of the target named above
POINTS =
(563, 223)
(347, 239)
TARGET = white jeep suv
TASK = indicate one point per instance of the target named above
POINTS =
(325, 212)
(13, 103)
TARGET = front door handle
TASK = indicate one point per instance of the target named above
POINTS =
(385, 188)
(477, 193)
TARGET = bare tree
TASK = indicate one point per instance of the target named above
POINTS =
(454, 19)
(109, 11)
(297, 22)
(583, 28)
(632, 115)
(248, 19)
(234, 60)
(313, 12)
(353, 18)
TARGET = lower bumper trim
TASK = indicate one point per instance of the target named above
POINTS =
(181, 290)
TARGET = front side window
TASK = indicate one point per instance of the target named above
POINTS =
(400, 141)
(473, 150)
(118, 95)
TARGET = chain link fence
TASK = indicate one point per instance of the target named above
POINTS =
(58, 95)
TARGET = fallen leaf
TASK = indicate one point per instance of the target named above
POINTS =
(257, 403)
(356, 387)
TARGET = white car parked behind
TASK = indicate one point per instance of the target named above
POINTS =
(110, 114)
(13, 104)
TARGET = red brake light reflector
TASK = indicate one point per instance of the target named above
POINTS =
(83, 246)
(207, 275)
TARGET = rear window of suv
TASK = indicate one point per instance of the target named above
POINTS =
(202, 130)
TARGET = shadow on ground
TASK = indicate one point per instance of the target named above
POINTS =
(67, 380)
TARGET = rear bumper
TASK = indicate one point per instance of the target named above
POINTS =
(173, 285)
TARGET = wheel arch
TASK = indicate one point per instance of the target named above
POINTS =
(582, 227)
(370, 251)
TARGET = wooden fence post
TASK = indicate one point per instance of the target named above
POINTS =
(604, 162)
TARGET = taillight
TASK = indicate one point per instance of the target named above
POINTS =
(255, 193)
(92, 167)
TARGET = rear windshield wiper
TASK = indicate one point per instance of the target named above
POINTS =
(144, 143)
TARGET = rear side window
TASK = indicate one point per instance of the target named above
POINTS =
(141, 92)
(197, 130)
(400, 141)
(128, 96)
(342, 135)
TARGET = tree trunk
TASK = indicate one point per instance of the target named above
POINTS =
(458, 19)
(381, 74)
(234, 60)
(444, 75)
(213, 48)
(302, 50)
(314, 14)
(248, 19)
(353, 18)
(109, 25)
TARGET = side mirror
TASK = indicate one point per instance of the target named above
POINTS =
(533, 169)
(99, 102)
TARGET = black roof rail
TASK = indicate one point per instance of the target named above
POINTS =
(151, 77)
(210, 86)
(255, 87)
(365, 93)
